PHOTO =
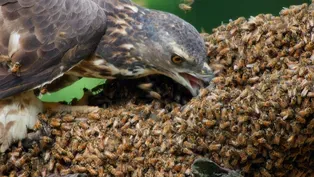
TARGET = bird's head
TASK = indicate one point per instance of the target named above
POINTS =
(160, 43)
(175, 48)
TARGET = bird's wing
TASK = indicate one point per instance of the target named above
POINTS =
(104, 3)
(42, 39)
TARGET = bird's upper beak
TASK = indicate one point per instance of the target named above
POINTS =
(193, 81)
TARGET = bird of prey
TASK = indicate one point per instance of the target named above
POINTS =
(45, 41)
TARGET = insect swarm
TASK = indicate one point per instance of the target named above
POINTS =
(257, 117)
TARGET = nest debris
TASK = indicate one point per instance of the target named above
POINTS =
(258, 117)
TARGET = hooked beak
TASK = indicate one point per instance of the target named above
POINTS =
(196, 80)
(206, 73)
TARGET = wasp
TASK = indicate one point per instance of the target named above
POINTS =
(42, 91)
(185, 7)
(15, 68)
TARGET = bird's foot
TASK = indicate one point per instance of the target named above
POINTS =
(57, 107)
(17, 113)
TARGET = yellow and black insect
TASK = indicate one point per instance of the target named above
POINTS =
(43, 90)
(186, 5)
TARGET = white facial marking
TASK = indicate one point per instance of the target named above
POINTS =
(180, 52)
(14, 43)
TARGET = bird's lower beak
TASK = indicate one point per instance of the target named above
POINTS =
(196, 80)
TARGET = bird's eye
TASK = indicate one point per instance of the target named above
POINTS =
(176, 59)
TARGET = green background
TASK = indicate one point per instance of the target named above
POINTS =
(205, 14)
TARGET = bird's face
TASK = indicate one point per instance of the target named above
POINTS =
(174, 48)
(141, 42)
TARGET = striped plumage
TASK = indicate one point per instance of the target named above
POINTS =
(54, 42)
(45, 38)
(141, 42)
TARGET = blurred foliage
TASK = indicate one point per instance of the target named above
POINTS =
(205, 14)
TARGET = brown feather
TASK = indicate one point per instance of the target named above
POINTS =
(44, 54)
(30, 42)
(10, 15)
(26, 59)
